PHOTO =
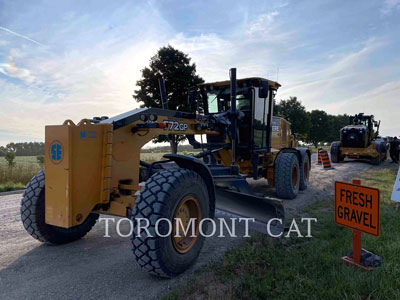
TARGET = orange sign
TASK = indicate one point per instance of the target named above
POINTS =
(357, 207)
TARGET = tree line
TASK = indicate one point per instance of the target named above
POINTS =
(23, 149)
(314, 126)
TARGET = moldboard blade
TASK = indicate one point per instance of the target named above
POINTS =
(232, 204)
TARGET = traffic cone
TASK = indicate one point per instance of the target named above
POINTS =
(325, 160)
(319, 161)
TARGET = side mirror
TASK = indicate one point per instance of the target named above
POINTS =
(192, 99)
(263, 89)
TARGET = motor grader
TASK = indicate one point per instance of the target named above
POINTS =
(359, 140)
(94, 168)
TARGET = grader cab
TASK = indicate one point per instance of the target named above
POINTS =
(94, 168)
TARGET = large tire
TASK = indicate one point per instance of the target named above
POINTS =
(382, 150)
(376, 160)
(335, 152)
(305, 172)
(162, 194)
(287, 175)
(33, 216)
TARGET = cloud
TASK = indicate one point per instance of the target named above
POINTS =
(11, 70)
(347, 83)
(389, 6)
(74, 88)
(21, 36)
(246, 47)
(320, 81)
(95, 56)
(262, 24)
(95, 79)
(378, 101)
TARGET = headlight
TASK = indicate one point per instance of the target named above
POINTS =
(153, 117)
(143, 117)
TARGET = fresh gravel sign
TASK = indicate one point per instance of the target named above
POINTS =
(357, 207)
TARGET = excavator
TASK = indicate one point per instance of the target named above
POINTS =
(94, 168)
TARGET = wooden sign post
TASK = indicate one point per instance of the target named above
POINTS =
(357, 207)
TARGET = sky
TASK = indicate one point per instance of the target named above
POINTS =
(79, 59)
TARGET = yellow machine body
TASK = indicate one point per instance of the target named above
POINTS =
(78, 168)
(281, 135)
(87, 162)
(369, 151)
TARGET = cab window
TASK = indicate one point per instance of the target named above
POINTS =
(220, 101)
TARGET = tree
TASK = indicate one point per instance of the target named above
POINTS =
(294, 112)
(10, 157)
(23, 149)
(179, 74)
(335, 124)
(319, 126)
(3, 151)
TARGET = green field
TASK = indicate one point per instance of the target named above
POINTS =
(25, 160)
(17, 177)
(26, 167)
(307, 268)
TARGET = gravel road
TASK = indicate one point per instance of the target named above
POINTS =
(96, 267)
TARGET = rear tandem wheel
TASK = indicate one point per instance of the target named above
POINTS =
(304, 172)
(287, 175)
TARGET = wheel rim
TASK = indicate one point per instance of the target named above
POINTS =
(295, 176)
(188, 208)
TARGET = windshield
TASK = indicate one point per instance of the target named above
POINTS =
(220, 101)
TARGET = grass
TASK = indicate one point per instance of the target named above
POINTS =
(10, 186)
(17, 177)
(26, 160)
(382, 179)
(307, 268)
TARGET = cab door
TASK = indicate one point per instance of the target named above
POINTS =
(259, 122)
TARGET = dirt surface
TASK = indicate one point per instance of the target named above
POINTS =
(104, 268)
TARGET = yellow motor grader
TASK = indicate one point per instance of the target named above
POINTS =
(359, 140)
(94, 167)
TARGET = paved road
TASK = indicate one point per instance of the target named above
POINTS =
(104, 268)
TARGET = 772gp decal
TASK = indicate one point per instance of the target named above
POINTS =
(175, 126)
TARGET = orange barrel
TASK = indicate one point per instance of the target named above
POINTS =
(319, 161)
(325, 160)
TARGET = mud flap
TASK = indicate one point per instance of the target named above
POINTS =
(232, 204)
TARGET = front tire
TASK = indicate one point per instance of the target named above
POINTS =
(33, 216)
(164, 196)
(287, 175)
(335, 152)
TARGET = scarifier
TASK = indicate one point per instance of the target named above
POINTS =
(94, 168)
